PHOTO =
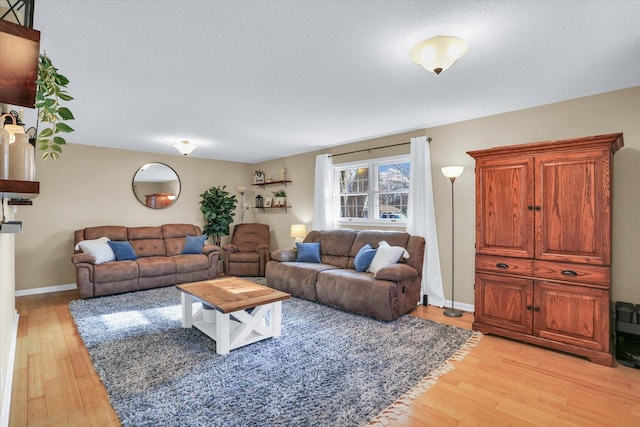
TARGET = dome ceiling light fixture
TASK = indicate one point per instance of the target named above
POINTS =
(439, 53)
(185, 147)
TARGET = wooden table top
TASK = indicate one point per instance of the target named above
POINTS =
(229, 294)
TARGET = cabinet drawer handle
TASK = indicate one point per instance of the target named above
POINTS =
(502, 265)
(529, 307)
(530, 207)
(536, 308)
(569, 273)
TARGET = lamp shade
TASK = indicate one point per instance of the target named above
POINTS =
(241, 189)
(452, 171)
(298, 230)
(439, 53)
(185, 147)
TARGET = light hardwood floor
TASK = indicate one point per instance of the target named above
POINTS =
(499, 383)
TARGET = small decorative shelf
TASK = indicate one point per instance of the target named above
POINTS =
(264, 184)
(19, 192)
(264, 209)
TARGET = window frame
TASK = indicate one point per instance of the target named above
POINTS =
(372, 192)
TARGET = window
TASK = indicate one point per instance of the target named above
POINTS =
(372, 191)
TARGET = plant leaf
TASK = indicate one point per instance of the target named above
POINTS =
(59, 140)
(63, 127)
(65, 113)
(46, 132)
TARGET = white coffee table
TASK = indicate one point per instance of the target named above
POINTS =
(230, 325)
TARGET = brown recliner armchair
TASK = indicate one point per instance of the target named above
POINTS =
(248, 252)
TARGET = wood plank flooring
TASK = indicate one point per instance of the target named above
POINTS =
(499, 383)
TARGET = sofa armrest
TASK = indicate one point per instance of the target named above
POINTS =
(284, 255)
(396, 273)
(207, 249)
(230, 247)
(83, 258)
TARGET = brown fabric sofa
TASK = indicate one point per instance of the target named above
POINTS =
(160, 260)
(248, 252)
(391, 292)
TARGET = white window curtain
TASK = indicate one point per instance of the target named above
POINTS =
(323, 194)
(421, 219)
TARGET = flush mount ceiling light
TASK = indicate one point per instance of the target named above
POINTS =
(438, 53)
(185, 147)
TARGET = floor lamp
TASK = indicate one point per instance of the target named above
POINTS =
(452, 172)
(242, 190)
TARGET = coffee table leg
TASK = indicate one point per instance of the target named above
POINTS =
(187, 313)
(222, 333)
(276, 318)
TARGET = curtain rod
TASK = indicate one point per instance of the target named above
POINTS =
(375, 148)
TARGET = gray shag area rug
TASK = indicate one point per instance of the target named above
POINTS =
(328, 368)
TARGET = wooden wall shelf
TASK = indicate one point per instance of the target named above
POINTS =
(11, 189)
(264, 184)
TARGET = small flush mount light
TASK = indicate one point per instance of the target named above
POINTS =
(439, 53)
(185, 147)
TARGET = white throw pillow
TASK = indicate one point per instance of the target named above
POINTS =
(99, 248)
(385, 256)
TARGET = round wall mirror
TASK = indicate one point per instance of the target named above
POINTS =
(156, 185)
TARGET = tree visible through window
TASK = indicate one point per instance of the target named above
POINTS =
(376, 190)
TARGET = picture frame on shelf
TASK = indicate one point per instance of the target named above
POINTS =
(258, 177)
(268, 201)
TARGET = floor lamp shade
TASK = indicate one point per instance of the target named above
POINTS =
(452, 172)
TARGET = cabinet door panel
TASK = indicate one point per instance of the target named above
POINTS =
(573, 315)
(502, 301)
(573, 194)
(504, 207)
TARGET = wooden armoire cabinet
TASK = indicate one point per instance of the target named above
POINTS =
(543, 243)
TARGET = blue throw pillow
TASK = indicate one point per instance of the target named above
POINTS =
(123, 250)
(308, 252)
(364, 257)
(193, 244)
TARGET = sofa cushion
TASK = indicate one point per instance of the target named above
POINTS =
(113, 232)
(386, 255)
(99, 249)
(115, 271)
(193, 244)
(308, 252)
(175, 235)
(296, 278)
(148, 247)
(244, 257)
(335, 245)
(189, 263)
(155, 266)
(123, 250)
(363, 258)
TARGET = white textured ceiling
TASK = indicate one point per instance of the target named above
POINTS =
(255, 80)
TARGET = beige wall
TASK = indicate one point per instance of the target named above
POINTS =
(607, 113)
(91, 186)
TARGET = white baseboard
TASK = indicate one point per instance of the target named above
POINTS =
(6, 400)
(46, 290)
(461, 306)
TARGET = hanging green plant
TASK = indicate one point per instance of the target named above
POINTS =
(51, 91)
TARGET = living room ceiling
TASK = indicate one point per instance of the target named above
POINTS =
(257, 80)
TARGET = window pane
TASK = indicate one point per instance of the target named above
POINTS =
(393, 205)
(393, 177)
(353, 206)
(354, 180)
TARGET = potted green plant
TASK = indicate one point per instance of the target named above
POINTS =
(218, 207)
(50, 92)
(280, 198)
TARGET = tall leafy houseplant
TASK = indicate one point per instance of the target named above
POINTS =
(50, 92)
(218, 207)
